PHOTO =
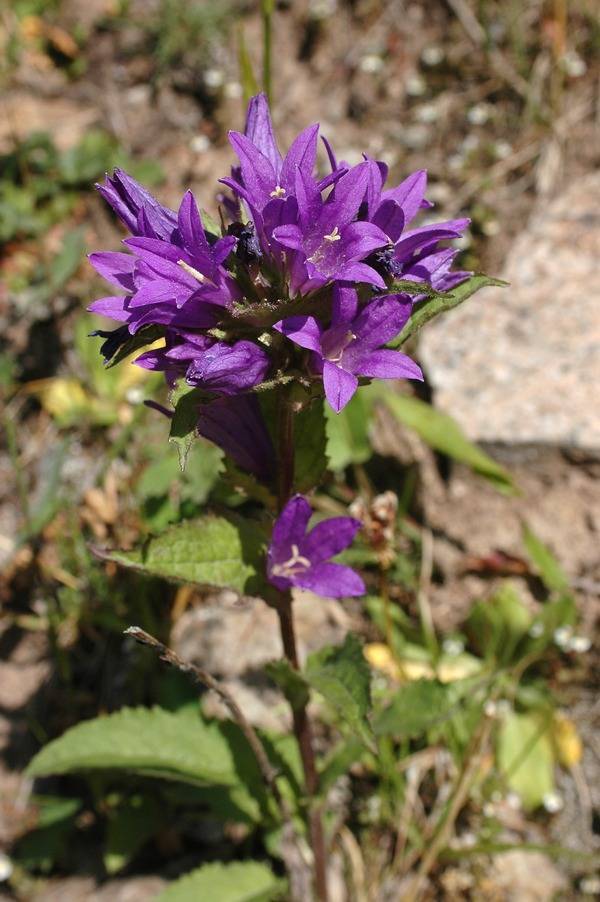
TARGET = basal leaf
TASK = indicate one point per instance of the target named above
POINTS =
(444, 434)
(431, 307)
(222, 552)
(525, 756)
(342, 676)
(240, 881)
(414, 708)
(148, 741)
(544, 561)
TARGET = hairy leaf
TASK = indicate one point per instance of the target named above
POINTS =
(290, 681)
(428, 309)
(222, 552)
(240, 881)
(547, 566)
(415, 708)
(148, 741)
(525, 757)
(342, 676)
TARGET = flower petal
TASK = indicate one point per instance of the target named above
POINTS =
(386, 364)
(339, 385)
(111, 307)
(328, 538)
(291, 524)
(409, 194)
(117, 268)
(259, 129)
(344, 305)
(301, 155)
(304, 331)
(331, 580)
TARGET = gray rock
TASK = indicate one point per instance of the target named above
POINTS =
(522, 364)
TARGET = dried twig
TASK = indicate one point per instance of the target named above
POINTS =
(166, 654)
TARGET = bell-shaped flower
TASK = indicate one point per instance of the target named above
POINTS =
(352, 345)
(297, 557)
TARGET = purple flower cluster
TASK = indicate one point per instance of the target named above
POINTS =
(298, 279)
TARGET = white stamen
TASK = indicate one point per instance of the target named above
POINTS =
(296, 564)
(191, 271)
(334, 236)
(278, 192)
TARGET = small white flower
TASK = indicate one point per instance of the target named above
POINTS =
(574, 65)
(491, 228)
(562, 636)
(233, 90)
(6, 867)
(479, 114)
(513, 800)
(590, 886)
(371, 63)
(553, 802)
(135, 395)
(579, 644)
(199, 144)
(490, 709)
(536, 629)
(432, 55)
(214, 78)
(453, 646)
(502, 149)
(489, 809)
(427, 113)
(415, 85)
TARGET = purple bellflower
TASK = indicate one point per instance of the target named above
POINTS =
(300, 558)
(338, 242)
(352, 345)
(214, 365)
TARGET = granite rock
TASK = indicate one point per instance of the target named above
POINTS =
(521, 365)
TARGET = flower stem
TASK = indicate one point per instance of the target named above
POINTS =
(302, 726)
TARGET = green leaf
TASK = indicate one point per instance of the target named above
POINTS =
(442, 433)
(290, 681)
(149, 741)
(428, 309)
(348, 432)
(309, 444)
(547, 566)
(338, 762)
(40, 849)
(134, 822)
(145, 336)
(497, 625)
(240, 881)
(222, 552)
(342, 676)
(525, 756)
(415, 708)
(184, 422)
